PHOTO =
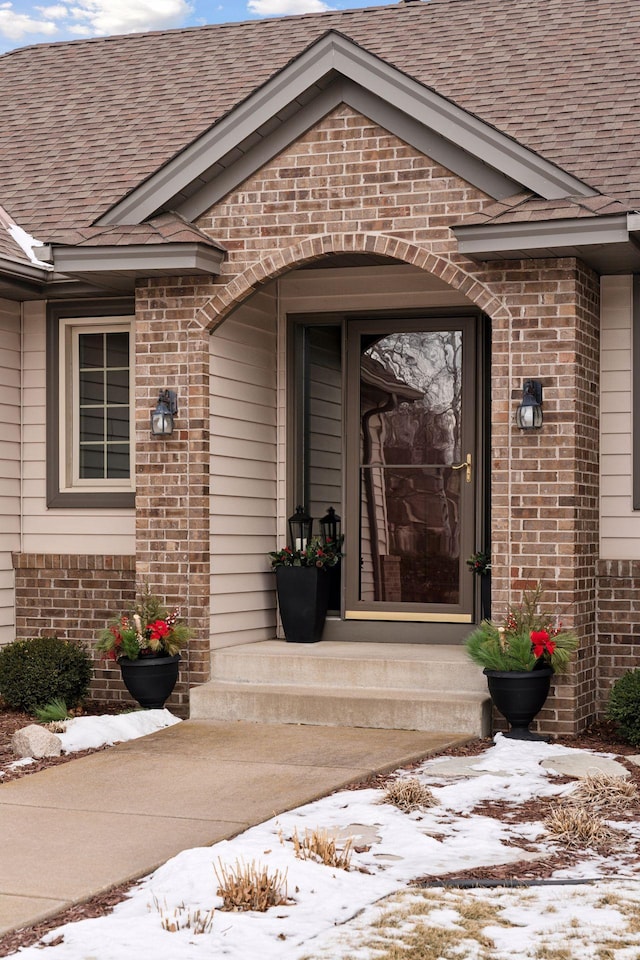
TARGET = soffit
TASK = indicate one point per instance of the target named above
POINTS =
(608, 244)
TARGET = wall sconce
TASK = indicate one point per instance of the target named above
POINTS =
(529, 413)
(162, 416)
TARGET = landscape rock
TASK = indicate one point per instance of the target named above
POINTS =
(582, 764)
(35, 741)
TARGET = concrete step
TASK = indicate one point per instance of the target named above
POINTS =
(384, 686)
(407, 666)
(459, 713)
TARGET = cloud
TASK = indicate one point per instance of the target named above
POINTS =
(102, 17)
(16, 26)
(55, 12)
(281, 8)
(90, 18)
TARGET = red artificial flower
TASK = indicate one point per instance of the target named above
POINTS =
(159, 629)
(542, 643)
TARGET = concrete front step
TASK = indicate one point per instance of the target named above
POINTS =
(405, 666)
(385, 686)
(457, 713)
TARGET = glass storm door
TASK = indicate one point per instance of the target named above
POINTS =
(410, 470)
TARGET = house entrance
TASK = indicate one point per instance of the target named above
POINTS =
(386, 431)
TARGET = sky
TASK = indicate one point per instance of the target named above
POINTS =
(25, 22)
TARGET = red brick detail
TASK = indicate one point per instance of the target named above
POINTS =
(246, 283)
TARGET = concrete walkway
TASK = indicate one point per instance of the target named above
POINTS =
(77, 829)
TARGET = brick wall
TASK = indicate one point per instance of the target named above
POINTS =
(545, 483)
(618, 622)
(74, 597)
(346, 185)
(172, 474)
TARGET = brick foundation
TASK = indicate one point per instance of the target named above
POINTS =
(618, 623)
(75, 597)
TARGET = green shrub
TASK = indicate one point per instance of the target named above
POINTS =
(624, 706)
(35, 672)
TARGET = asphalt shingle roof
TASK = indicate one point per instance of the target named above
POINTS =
(82, 123)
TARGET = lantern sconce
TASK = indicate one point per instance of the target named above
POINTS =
(162, 416)
(529, 412)
(300, 529)
(330, 526)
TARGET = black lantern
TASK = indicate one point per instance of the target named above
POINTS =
(330, 526)
(162, 416)
(529, 413)
(300, 526)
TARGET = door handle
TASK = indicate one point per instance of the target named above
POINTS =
(466, 464)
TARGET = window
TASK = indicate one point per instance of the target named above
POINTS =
(90, 426)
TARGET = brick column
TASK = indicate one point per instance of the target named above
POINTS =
(545, 482)
(172, 474)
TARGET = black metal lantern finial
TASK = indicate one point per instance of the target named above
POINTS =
(330, 526)
(300, 527)
(529, 413)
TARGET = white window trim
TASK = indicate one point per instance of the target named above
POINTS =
(68, 393)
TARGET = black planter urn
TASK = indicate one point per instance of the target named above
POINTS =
(150, 680)
(519, 696)
(303, 598)
(485, 596)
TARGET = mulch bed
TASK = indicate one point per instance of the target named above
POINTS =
(601, 738)
(12, 720)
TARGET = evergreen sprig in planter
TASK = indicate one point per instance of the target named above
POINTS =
(146, 644)
(519, 657)
(303, 585)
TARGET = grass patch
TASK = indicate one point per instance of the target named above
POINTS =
(604, 793)
(183, 918)
(250, 886)
(320, 846)
(53, 712)
(409, 794)
(577, 826)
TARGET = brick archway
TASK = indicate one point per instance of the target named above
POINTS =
(240, 287)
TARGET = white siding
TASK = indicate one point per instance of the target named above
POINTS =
(243, 473)
(61, 530)
(619, 523)
(9, 461)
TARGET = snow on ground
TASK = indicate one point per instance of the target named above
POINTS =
(86, 733)
(333, 914)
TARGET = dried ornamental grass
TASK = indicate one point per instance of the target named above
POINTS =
(605, 793)
(184, 918)
(576, 826)
(408, 794)
(250, 886)
(320, 846)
